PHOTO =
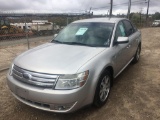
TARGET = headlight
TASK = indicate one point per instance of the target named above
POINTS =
(10, 69)
(72, 81)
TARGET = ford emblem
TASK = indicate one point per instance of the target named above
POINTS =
(27, 76)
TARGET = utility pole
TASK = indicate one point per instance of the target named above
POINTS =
(129, 8)
(90, 13)
(26, 31)
(90, 10)
(110, 14)
(147, 12)
(141, 9)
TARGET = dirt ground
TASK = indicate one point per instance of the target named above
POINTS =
(134, 96)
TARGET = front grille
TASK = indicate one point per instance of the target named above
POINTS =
(34, 78)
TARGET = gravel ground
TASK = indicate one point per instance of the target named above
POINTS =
(134, 96)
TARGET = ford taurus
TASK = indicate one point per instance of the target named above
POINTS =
(77, 67)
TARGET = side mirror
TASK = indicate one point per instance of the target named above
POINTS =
(55, 35)
(122, 40)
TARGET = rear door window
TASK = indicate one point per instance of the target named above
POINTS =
(129, 28)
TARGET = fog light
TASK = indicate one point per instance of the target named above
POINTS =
(62, 107)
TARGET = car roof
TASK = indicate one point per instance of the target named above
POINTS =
(107, 20)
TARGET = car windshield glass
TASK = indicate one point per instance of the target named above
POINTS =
(89, 34)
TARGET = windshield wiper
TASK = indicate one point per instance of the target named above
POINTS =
(70, 43)
(75, 43)
(56, 41)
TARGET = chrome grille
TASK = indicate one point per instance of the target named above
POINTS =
(33, 78)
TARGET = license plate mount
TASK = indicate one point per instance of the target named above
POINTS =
(22, 92)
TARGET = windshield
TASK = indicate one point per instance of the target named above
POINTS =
(89, 34)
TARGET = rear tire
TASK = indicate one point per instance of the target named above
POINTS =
(137, 55)
(103, 89)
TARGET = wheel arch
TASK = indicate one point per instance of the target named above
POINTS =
(140, 44)
(111, 71)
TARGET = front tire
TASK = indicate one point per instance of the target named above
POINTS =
(103, 89)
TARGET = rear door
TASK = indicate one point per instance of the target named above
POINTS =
(132, 35)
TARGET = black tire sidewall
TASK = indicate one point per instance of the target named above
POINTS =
(97, 101)
(135, 60)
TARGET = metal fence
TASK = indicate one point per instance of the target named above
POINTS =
(24, 28)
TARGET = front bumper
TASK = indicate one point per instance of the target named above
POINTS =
(61, 101)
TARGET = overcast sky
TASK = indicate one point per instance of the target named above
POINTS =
(63, 6)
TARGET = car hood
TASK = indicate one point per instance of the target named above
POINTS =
(55, 58)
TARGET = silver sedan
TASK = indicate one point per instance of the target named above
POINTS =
(77, 67)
